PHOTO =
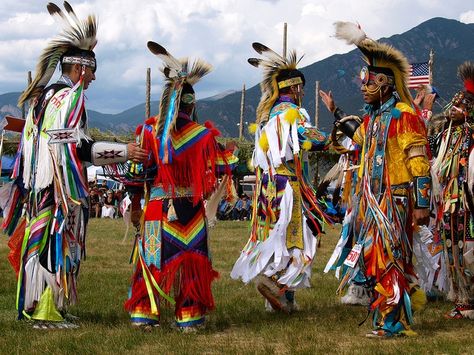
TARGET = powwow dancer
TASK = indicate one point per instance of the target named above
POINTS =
(171, 253)
(427, 244)
(47, 209)
(393, 184)
(286, 216)
(454, 167)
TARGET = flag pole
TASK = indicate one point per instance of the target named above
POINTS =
(285, 38)
(430, 64)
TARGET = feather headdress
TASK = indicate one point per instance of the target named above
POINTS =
(178, 72)
(466, 74)
(379, 55)
(273, 64)
(77, 34)
(466, 96)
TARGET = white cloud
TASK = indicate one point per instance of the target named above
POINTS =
(219, 31)
(467, 17)
(313, 9)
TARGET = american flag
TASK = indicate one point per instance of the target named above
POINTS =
(419, 75)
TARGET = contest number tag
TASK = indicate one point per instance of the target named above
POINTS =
(353, 256)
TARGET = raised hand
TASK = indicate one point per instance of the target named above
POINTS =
(328, 100)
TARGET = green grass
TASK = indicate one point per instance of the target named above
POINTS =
(238, 325)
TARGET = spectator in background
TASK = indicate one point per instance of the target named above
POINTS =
(95, 203)
(108, 209)
(246, 203)
(119, 196)
(237, 211)
(223, 209)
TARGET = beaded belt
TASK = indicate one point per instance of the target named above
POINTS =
(159, 193)
(401, 190)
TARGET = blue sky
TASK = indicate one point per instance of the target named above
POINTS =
(219, 31)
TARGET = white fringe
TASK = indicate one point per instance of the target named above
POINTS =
(34, 281)
(27, 149)
(438, 162)
(336, 254)
(6, 193)
(426, 264)
(271, 256)
(271, 253)
(470, 174)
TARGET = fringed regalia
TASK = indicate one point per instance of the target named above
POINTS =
(453, 167)
(393, 180)
(286, 216)
(48, 239)
(455, 218)
(47, 206)
(46, 214)
(171, 253)
(382, 217)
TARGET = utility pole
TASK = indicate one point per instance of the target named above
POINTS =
(316, 125)
(430, 65)
(23, 107)
(147, 93)
(316, 104)
(242, 105)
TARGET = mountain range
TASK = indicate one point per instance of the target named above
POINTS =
(449, 39)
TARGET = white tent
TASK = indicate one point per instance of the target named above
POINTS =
(95, 172)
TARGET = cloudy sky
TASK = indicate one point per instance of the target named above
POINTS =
(219, 31)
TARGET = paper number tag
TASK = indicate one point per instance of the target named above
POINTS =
(353, 256)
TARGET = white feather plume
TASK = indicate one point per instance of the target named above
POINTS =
(350, 32)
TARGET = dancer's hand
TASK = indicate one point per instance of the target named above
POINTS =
(421, 216)
(135, 153)
(428, 101)
(135, 217)
(328, 100)
(420, 95)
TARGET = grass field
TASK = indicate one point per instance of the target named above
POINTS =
(238, 325)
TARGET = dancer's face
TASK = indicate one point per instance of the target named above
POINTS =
(370, 93)
(457, 113)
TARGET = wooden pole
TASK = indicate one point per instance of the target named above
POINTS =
(23, 107)
(316, 125)
(430, 64)
(147, 94)
(316, 104)
(285, 39)
(242, 105)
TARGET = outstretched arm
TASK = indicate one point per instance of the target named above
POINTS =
(101, 153)
(346, 125)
